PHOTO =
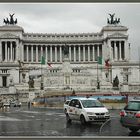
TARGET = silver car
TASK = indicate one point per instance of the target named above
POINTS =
(130, 115)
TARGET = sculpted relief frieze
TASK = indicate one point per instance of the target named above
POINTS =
(54, 81)
(118, 35)
(8, 35)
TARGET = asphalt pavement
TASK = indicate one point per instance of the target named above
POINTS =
(26, 121)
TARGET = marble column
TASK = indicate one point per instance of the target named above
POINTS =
(110, 53)
(55, 53)
(6, 51)
(21, 48)
(50, 53)
(60, 53)
(124, 50)
(41, 50)
(46, 54)
(79, 49)
(13, 52)
(11, 49)
(70, 53)
(0, 50)
(74, 53)
(84, 53)
(120, 50)
(17, 50)
(98, 51)
(115, 50)
(27, 58)
(88, 53)
(32, 54)
(36, 53)
(93, 53)
(23, 51)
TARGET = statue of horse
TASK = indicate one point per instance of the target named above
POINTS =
(112, 18)
(11, 19)
(16, 21)
(6, 21)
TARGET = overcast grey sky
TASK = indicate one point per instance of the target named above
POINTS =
(75, 18)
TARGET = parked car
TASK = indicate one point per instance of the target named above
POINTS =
(6, 104)
(86, 110)
(66, 105)
(1, 104)
(15, 103)
(130, 115)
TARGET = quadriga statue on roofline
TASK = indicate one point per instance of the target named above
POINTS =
(113, 20)
(10, 21)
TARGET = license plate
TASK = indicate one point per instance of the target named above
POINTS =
(100, 116)
(130, 114)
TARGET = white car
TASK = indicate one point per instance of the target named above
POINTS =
(6, 104)
(66, 105)
(15, 104)
(86, 110)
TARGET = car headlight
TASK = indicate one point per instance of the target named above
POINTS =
(107, 113)
(90, 113)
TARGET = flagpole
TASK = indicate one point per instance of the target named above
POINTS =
(139, 68)
(98, 84)
(41, 76)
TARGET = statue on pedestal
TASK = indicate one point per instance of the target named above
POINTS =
(66, 50)
(116, 82)
(31, 83)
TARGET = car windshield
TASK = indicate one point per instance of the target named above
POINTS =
(67, 102)
(91, 103)
(133, 105)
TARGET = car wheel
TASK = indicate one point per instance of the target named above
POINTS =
(65, 111)
(68, 118)
(82, 120)
(133, 129)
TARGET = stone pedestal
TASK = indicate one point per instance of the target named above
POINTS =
(125, 88)
(12, 89)
(31, 95)
(67, 70)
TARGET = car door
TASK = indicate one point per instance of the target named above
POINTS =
(78, 109)
(71, 109)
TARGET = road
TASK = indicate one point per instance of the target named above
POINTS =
(51, 122)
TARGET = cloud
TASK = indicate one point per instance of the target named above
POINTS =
(74, 18)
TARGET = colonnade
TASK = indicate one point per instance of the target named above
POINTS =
(118, 50)
(54, 53)
(8, 51)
